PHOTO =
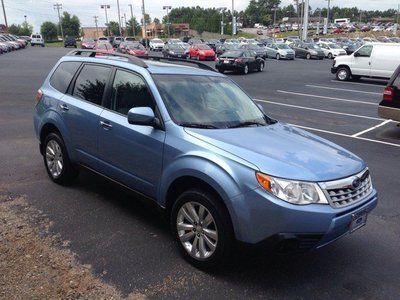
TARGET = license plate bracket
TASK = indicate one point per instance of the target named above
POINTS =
(358, 220)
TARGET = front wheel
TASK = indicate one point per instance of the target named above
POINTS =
(308, 56)
(261, 67)
(278, 56)
(246, 69)
(202, 228)
(343, 74)
(330, 56)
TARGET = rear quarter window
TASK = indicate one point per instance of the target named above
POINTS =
(62, 76)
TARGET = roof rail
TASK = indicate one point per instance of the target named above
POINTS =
(199, 64)
(92, 53)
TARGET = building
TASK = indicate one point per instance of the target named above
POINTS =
(154, 30)
(93, 32)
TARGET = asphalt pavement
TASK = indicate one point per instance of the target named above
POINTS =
(128, 242)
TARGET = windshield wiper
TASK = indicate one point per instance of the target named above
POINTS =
(247, 124)
(198, 125)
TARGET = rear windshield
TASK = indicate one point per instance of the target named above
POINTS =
(232, 54)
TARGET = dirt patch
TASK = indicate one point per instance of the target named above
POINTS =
(35, 264)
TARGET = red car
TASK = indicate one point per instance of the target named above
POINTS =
(201, 52)
(337, 30)
(104, 47)
(88, 44)
(136, 49)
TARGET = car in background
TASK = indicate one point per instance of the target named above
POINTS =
(122, 46)
(260, 51)
(279, 51)
(389, 107)
(37, 39)
(307, 50)
(70, 41)
(331, 50)
(117, 41)
(365, 28)
(104, 47)
(15, 44)
(213, 43)
(174, 41)
(88, 43)
(156, 45)
(260, 32)
(201, 52)
(348, 46)
(136, 49)
(104, 39)
(26, 38)
(240, 60)
(194, 41)
(225, 47)
(175, 50)
(129, 39)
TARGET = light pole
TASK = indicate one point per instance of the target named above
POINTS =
(233, 18)
(58, 6)
(133, 22)
(305, 22)
(275, 8)
(222, 9)
(144, 24)
(119, 18)
(167, 7)
(329, 8)
(25, 19)
(105, 7)
(319, 20)
(97, 28)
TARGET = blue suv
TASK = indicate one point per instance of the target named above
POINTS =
(194, 142)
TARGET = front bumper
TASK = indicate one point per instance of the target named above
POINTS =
(334, 70)
(258, 217)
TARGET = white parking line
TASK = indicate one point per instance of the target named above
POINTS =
(320, 110)
(325, 97)
(346, 135)
(372, 128)
(358, 83)
(339, 89)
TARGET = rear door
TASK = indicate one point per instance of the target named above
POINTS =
(384, 60)
(361, 61)
(81, 109)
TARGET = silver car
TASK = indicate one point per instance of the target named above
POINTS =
(279, 51)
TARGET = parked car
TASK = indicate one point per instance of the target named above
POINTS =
(260, 51)
(37, 39)
(279, 51)
(104, 39)
(225, 47)
(389, 107)
(331, 50)
(239, 60)
(156, 45)
(194, 41)
(348, 46)
(70, 41)
(260, 32)
(196, 144)
(201, 52)
(175, 50)
(213, 43)
(117, 40)
(88, 43)
(307, 50)
(123, 46)
(377, 60)
(104, 47)
(136, 49)
(129, 39)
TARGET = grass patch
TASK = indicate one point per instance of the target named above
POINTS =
(59, 44)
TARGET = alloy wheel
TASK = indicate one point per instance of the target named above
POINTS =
(54, 158)
(197, 230)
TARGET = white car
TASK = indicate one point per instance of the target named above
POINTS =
(331, 50)
(156, 45)
(37, 39)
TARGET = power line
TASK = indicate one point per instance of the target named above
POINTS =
(58, 6)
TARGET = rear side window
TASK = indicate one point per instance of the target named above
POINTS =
(91, 82)
(62, 76)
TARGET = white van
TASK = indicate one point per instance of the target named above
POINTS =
(37, 39)
(377, 60)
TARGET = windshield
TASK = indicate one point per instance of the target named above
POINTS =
(203, 47)
(333, 46)
(312, 46)
(283, 46)
(157, 41)
(176, 46)
(88, 41)
(207, 102)
(136, 46)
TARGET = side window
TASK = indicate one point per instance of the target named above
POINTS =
(91, 82)
(128, 91)
(365, 51)
(62, 76)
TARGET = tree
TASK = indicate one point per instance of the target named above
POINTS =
(113, 27)
(157, 21)
(14, 29)
(138, 28)
(49, 31)
(24, 29)
(70, 25)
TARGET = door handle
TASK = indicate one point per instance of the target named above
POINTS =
(369, 63)
(64, 107)
(105, 125)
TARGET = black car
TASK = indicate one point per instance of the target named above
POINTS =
(348, 46)
(307, 50)
(389, 107)
(174, 50)
(69, 42)
(240, 60)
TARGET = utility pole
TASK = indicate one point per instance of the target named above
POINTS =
(275, 8)
(233, 18)
(167, 7)
(105, 7)
(329, 8)
(97, 29)
(305, 22)
(132, 20)
(25, 19)
(298, 16)
(58, 6)
(144, 24)
(301, 19)
(119, 18)
(222, 19)
(4, 13)
(125, 24)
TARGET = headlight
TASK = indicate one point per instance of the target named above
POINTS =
(172, 52)
(313, 52)
(292, 191)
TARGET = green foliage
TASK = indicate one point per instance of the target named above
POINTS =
(260, 11)
(70, 25)
(49, 31)
(113, 28)
(24, 29)
(138, 28)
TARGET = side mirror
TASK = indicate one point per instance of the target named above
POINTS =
(306, 48)
(356, 54)
(142, 116)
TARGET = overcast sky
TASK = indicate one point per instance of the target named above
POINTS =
(38, 11)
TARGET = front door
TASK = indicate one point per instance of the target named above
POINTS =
(362, 61)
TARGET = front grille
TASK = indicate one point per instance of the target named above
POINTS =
(349, 190)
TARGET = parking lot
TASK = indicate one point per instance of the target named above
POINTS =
(129, 244)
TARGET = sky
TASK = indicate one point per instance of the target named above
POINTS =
(38, 11)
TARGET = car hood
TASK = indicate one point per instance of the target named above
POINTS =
(284, 151)
(286, 51)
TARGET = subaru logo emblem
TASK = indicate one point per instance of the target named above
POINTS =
(356, 183)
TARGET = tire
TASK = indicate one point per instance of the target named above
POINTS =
(330, 56)
(261, 67)
(210, 249)
(343, 74)
(278, 56)
(222, 71)
(54, 150)
(246, 69)
(42, 45)
(308, 56)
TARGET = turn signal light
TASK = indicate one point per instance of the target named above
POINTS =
(264, 181)
(388, 93)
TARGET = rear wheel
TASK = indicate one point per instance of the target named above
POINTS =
(202, 228)
(261, 67)
(343, 74)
